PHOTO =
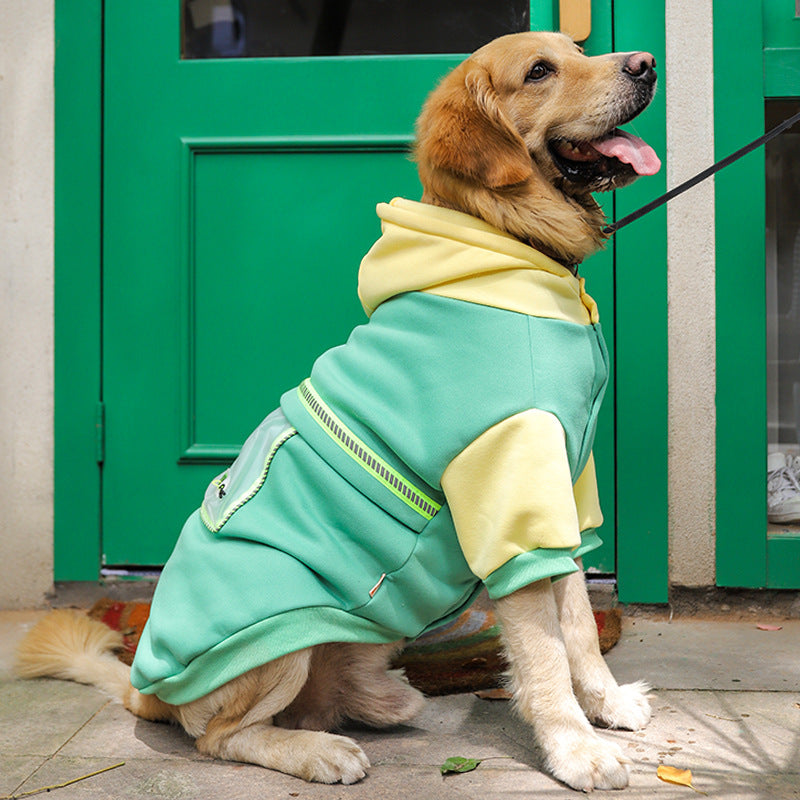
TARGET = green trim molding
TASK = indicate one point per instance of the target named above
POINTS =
(544, 14)
(641, 342)
(741, 300)
(783, 561)
(78, 176)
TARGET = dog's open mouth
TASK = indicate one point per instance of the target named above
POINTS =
(616, 157)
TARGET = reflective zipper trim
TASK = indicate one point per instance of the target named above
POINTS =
(362, 454)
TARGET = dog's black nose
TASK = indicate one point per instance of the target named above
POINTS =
(640, 67)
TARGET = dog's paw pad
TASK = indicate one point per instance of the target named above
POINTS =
(337, 759)
(592, 764)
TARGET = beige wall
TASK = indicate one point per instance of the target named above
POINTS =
(691, 316)
(26, 300)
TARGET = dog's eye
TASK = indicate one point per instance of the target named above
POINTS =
(539, 71)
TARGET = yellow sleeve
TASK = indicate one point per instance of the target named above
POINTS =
(510, 492)
(587, 500)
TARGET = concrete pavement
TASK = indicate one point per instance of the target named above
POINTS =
(726, 705)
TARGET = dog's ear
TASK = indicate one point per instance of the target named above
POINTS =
(463, 129)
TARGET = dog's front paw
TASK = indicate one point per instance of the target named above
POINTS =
(332, 759)
(588, 762)
(624, 706)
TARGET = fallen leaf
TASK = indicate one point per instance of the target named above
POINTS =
(459, 764)
(683, 777)
(769, 627)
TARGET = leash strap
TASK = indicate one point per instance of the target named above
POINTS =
(701, 176)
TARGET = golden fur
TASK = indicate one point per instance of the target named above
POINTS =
(483, 139)
(484, 147)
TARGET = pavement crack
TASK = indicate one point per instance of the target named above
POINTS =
(58, 750)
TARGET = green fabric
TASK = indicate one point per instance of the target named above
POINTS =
(538, 564)
(427, 375)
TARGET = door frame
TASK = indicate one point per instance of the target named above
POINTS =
(747, 70)
(640, 329)
(78, 288)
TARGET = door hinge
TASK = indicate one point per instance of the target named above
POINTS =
(100, 432)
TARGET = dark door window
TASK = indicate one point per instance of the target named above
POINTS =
(259, 28)
(783, 315)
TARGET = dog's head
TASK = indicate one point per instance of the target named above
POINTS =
(525, 129)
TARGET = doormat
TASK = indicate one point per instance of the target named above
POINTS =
(463, 656)
(126, 617)
(466, 655)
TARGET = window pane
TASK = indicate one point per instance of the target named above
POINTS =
(783, 315)
(783, 276)
(257, 28)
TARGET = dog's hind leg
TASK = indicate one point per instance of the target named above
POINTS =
(351, 681)
(377, 697)
(310, 755)
(603, 701)
(235, 722)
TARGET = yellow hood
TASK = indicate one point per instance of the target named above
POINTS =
(451, 254)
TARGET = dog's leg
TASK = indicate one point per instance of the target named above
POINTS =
(310, 755)
(235, 722)
(350, 681)
(602, 699)
(377, 697)
(541, 684)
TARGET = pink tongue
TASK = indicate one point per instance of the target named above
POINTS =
(631, 150)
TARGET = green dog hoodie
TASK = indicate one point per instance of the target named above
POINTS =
(446, 446)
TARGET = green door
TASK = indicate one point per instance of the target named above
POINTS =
(238, 196)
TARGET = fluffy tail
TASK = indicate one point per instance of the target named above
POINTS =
(67, 644)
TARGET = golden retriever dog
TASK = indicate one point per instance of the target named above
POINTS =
(517, 137)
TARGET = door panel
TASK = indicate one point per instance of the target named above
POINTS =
(260, 302)
(272, 238)
(640, 352)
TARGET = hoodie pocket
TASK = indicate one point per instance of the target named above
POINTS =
(238, 484)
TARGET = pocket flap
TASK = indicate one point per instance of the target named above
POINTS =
(230, 490)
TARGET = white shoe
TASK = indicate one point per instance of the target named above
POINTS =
(793, 462)
(783, 489)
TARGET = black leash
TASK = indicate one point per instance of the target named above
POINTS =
(701, 176)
